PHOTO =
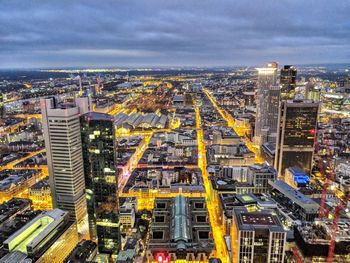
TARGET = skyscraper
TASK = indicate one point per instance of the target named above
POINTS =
(288, 82)
(296, 134)
(267, 104)
(2, 107)
(97, 131)
(61, 127)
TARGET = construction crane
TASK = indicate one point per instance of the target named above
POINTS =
(297, 255)
(330, 177)
(334, 230)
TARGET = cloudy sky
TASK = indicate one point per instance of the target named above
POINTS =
(59, 33)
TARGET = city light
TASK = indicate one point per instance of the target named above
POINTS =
(171, 164)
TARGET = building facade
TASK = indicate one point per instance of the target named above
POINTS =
(296, 135)
(49, 237)
(40, 194)
(2, 106)
(257, 237)
(296, 203)
(101, 180)
(61, 129)
(180, 230)
(259, 176)
(288, 82)
(268, 96)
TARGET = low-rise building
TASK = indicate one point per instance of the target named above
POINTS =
(127, 216)
(11, 208)
(84, 252)
(293, 201)
(40, 194)
(313, 240)
(259, 176)
(236, 155)
(49, 237)
(227, 203)
(14, 183)
(180, 230)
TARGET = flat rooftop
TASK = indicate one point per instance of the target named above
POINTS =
(250, 221)
(320, 230)
(257, 219)
(296, 171)
(246, 198)
(96, 116)
(35, 230)
(11, 207)
(293, 194)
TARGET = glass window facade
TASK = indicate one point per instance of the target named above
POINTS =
(101, 180)
(300, 126)
(288, 82)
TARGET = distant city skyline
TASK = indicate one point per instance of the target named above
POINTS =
(41, 34)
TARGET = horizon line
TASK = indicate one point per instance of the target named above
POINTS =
(163, 66)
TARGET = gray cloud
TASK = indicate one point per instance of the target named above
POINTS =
(56, 33)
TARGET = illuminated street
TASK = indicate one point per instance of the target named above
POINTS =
(241, 131)
(174, 131)
(211, 202)
(13, 163)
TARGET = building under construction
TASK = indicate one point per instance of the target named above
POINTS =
(314, 238)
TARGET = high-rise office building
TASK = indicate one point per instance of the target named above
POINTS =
(288, 82)
(2, 107)
(257, 237)
(97, 133)
(61, 128)
(296, 135)
(268, 97)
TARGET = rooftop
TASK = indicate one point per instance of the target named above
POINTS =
(94, 116)
(250, 221)
(35, 231)
(82, 251)
(293, 194)
(42, 184)
(263, 168)
(257, 219)
(11, 207)
(296, 170)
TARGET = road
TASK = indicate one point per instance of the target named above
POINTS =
(212, 203)
(239, 130)
(15, 162)
(37, 116)
(119, 107)
(146, 199)
(136, 158)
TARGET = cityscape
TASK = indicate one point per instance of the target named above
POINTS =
(248, 162)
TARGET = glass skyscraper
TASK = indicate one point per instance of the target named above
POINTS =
(288, 82)
(268, 97)
(101, 180)
(2, 107)
(296, 135)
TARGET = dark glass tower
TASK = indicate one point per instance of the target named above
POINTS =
(288, 82)
(296, 135)
(2, 107)
(101, 180)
